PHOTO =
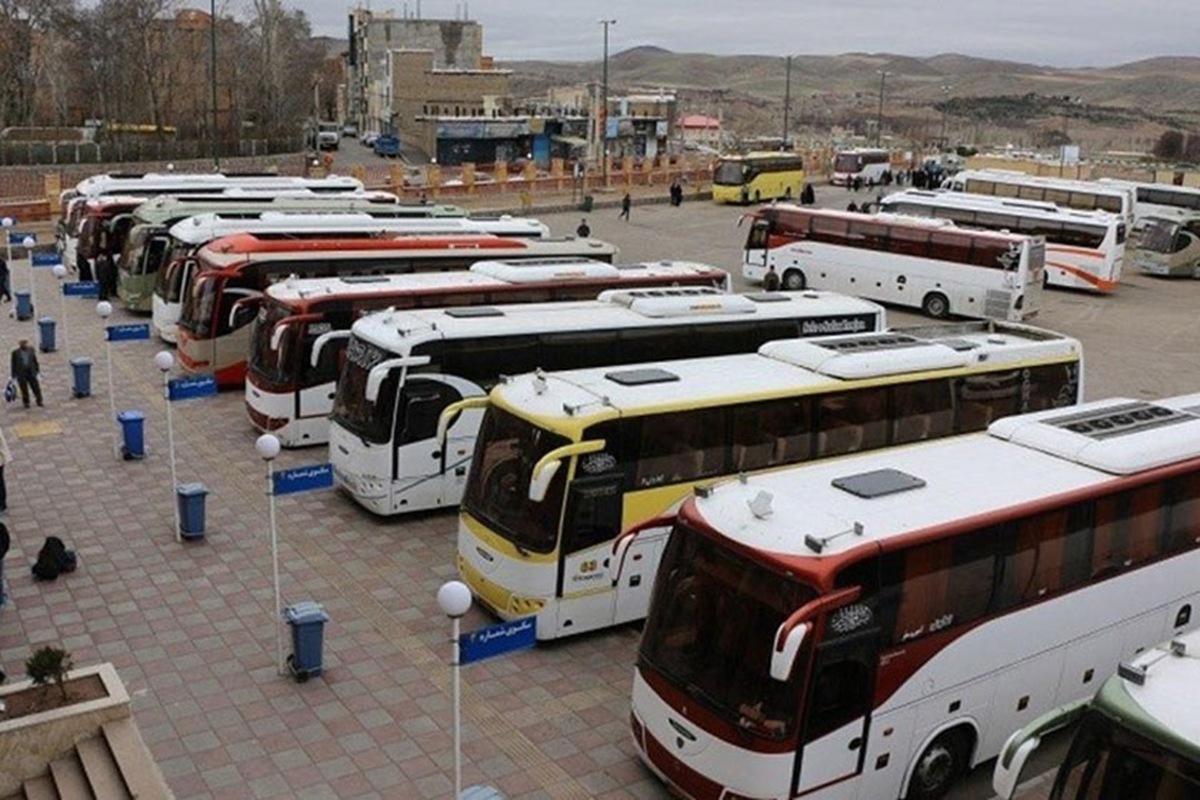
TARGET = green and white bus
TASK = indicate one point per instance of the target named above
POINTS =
(1169, 244)
(1138, 738)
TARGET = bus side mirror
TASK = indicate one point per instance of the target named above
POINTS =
(320, 342)
(380, 371)
(451, 413)
(787, 645)
(1010, 763)
(540, 482)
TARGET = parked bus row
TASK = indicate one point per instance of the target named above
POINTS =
(576, 475)
(299, 338)
(404, 369)
(149, 243)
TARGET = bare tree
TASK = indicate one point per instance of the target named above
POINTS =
(277, 92)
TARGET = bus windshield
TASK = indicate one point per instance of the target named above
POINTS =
(197, 312)
(847, 162)
(271, 365)
(712, 629)
(1159, 236)
(1108, 761)
(498, 487)
(370, 421)
(730, 173)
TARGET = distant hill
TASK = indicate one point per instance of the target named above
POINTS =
(982, 101)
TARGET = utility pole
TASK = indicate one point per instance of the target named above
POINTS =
(212, 32)
(604, 104)
(883, 73)
(942, 139)
(787, 100)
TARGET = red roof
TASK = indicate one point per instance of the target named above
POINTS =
(698, 121)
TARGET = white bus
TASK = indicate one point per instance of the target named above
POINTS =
(1065, 192)
(576, 474)
(299, 339)
(1138, 738)
(867, 164)
(1084, 249)
(173, 283)
(871, 627)
(1157, 198)
(1169, 244)
(404, 368)
(929, 264)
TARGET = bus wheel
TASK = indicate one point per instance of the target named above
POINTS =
(757, 196)
(787, 193)
(942, 763)
(794, 280)
(936, 305)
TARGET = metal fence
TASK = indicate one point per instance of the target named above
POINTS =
(22, 153)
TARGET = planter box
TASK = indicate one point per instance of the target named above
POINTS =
(28, 744)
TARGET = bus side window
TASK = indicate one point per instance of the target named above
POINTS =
(984, 398)
(1182, 531)
(1127, 529)
(922, 411)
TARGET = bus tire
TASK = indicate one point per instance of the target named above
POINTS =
(936, 305)
(794, 280)
(787, 193)
(757, 196)
(939, 767)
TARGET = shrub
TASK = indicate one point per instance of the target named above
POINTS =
(47, 665)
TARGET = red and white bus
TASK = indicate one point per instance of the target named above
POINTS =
(299, 339)
(929, 264)
(872, 626)
(229, 275)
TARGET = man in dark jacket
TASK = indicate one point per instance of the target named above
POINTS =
(25, 371)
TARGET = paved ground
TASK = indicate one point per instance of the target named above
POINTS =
(191, 627)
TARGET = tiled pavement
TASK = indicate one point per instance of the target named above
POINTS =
(191, 627)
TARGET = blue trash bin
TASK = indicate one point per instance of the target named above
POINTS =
(81, 376)
(46, 341)
(132, 431)
(307, 620)
(81, 373)
(24, 304)
(191, 509)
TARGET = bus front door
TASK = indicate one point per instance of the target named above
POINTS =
(838, 710)
(428, 475)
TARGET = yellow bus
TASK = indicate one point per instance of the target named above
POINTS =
(755, 177)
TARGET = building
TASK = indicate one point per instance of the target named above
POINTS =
(699, 130)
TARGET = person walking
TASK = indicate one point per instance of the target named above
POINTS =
(25, 371)
(584, 230)
(5, 543)
(5, 280)
(626, 204)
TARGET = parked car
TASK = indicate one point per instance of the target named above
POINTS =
(350, 129)
(386, 145)
(368, 139)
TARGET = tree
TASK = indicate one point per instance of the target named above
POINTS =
(1169, 146)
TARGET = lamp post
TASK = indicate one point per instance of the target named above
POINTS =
(603, 121)
(268, 448)
(104, 309)
(212, 49)
(60, 272)
(883, 73)
(945, 93)
(454, 598)
(28, 242)
(164, 361)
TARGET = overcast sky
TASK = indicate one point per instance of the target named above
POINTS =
(1063, 33)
